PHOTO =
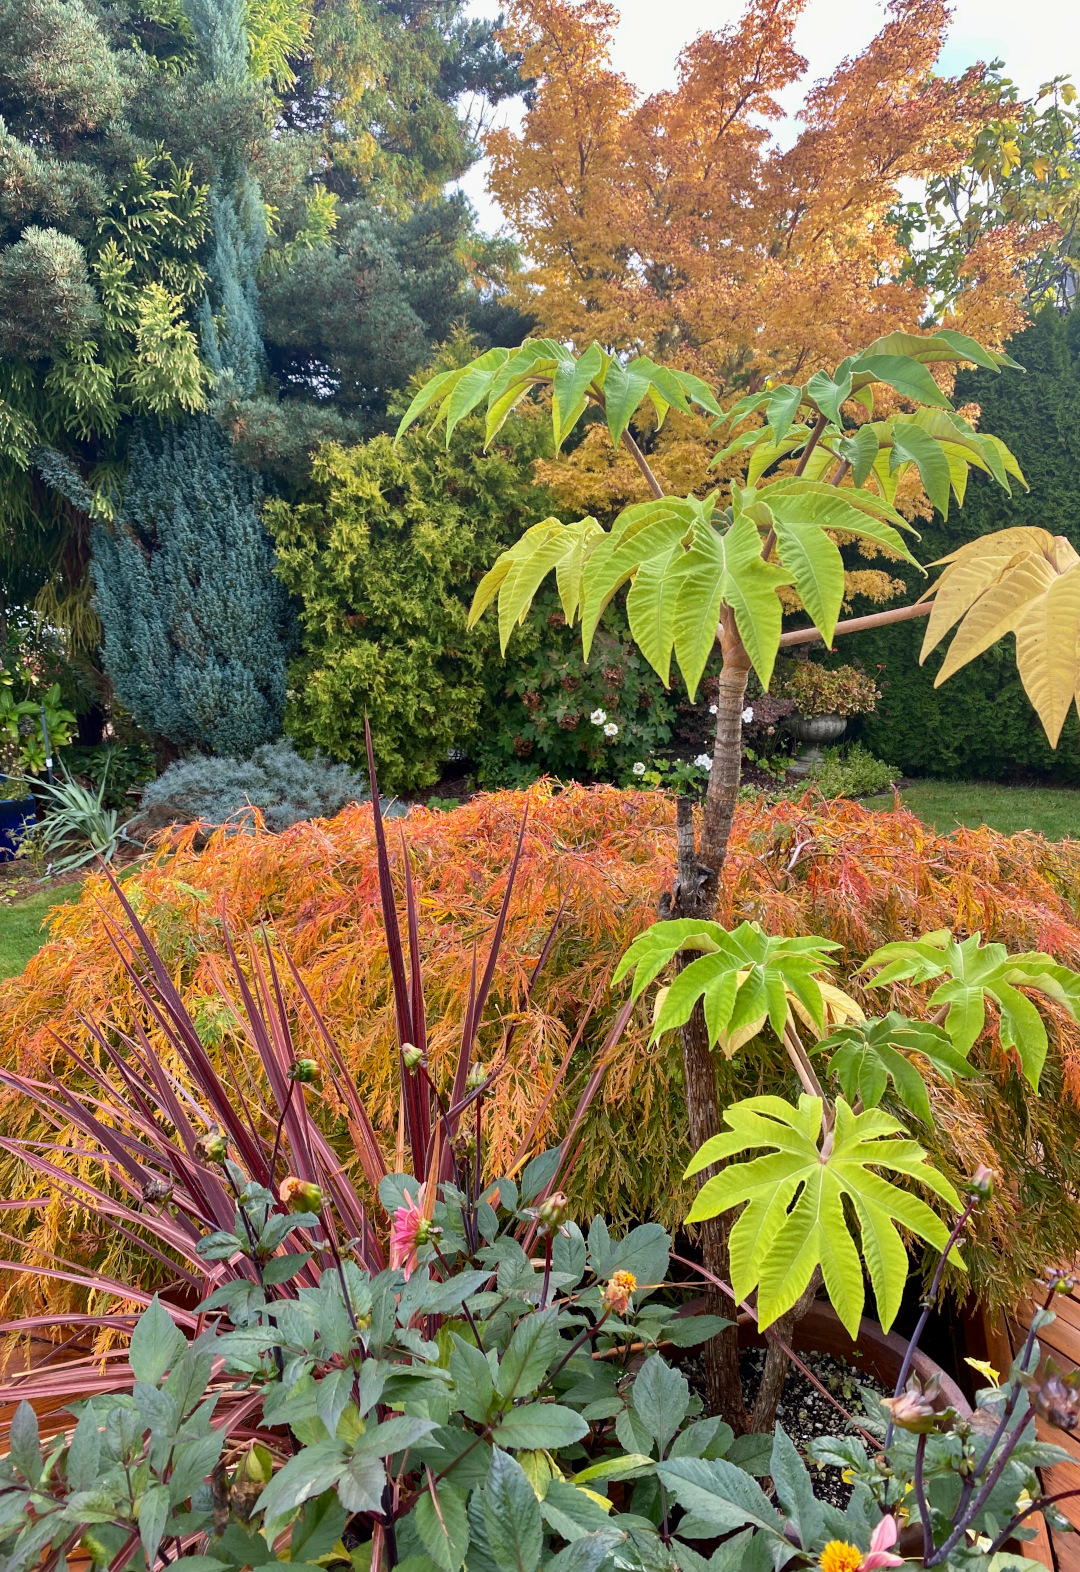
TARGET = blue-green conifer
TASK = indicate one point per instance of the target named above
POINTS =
(184, 584)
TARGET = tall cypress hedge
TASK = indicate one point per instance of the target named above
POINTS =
(979, 724)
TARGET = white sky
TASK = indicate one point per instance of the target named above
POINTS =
(1037, 39)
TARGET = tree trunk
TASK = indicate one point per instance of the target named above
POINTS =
(696, 894)
(777, 1362)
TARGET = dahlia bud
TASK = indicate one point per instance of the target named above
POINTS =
(914, 1409)
(981, 1184)
(1061, 1282)
(1056, 1398)
(253, 1474)
(300, 1196)
(304, 1070)
(616, 1296)
(476, 1076)
(212, 1147)
(551, 1214)
(413, 1056)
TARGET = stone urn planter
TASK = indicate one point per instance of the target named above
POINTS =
(817, 729)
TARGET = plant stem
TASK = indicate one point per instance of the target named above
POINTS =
(1014, 1394)
(590, 1331)
(815, 438)
(928, 1304)
(1036, 1506)
(277, 1134)
(920, 1497)
(642, 463)
(983, 1496)
(547, 1273)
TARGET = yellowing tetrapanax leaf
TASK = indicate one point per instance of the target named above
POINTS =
(794, 1220)
(1023, 581)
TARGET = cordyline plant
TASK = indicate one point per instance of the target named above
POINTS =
(159, 1115)
(702, 573)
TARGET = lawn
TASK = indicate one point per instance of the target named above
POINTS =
(21, 933)
(1053, 811)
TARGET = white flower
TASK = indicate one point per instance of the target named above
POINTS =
(712, 709)
(611, 730)
(748, 715)
(638, 768)
(598, 717)
(704, 761)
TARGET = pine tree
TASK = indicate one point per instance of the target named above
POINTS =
(185, 587)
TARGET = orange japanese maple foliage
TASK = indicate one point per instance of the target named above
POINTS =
(678, 225)
(599, 856)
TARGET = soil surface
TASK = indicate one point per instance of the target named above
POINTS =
(805, 1413)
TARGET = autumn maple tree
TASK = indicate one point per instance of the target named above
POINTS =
(679, 226)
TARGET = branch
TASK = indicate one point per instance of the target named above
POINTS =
(876, 619)
(815, 438)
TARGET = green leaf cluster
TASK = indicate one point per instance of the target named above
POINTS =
(976, 974)
(744, 979)
(684, 560)
(473, 1393)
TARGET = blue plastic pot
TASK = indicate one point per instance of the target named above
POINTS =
(16, 815)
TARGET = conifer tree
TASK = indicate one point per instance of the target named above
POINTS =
(185, 588)
(184, 582)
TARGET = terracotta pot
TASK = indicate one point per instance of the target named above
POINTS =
(879, 1353)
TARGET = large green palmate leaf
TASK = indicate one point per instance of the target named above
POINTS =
(865, 1056)
(641, 533)
(793, 1217)
(518, 572)
(501, 378)
(744, 978)
(974, 973)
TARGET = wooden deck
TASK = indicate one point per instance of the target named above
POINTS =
(1060, 1341)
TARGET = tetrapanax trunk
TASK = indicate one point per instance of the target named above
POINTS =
(695, 895)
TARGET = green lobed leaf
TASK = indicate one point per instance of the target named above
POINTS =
(911, 444)
(793, 1219)
(906, 376)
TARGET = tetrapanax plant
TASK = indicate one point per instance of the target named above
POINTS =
(702, 572)
(974, 973)
(823, 1163)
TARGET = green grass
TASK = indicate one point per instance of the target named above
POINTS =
(21, 932)
(1053, 811)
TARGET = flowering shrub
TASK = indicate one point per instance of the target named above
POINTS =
(541, 719)
(821, 690)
